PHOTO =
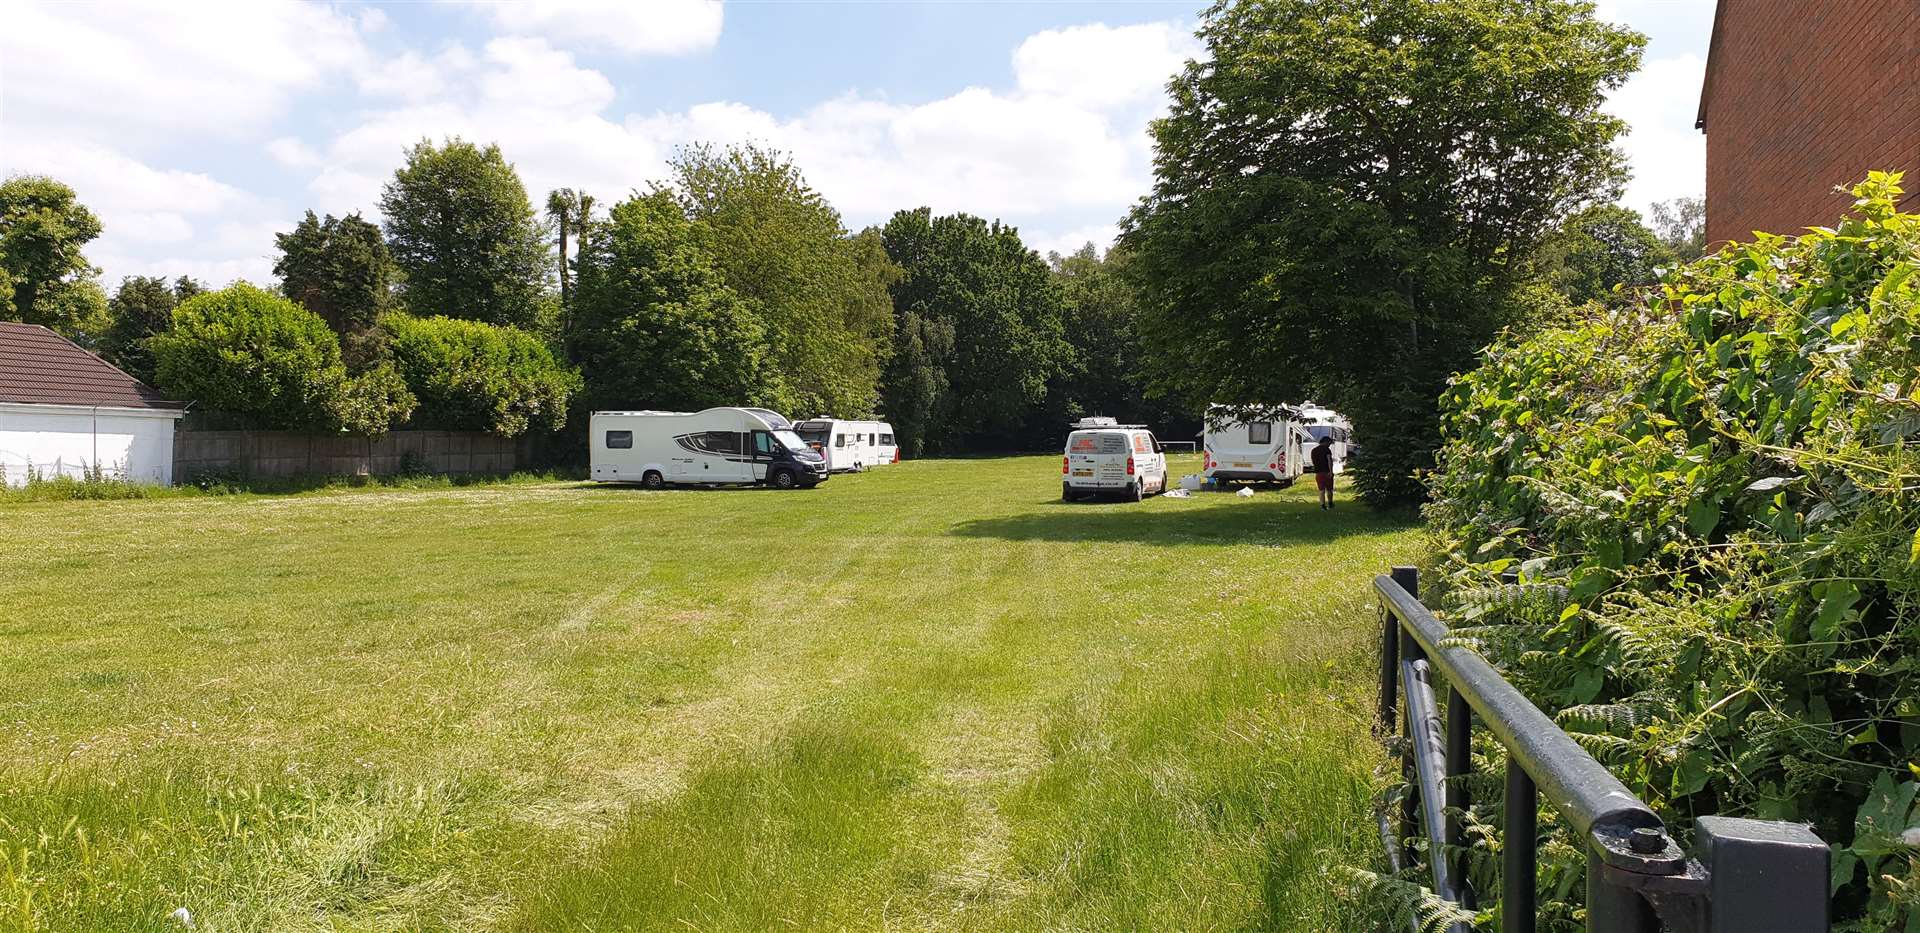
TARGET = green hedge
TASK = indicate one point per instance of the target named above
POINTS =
(249, 351)
(479, 377)
(1714, 504)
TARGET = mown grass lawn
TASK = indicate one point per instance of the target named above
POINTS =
(931, 696)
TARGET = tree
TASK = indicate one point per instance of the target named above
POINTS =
(1598, 249)
(820, 294)
(658, 327)
(465, 236)
(1682, 224)
(471, 376)
(979, 331)
(1346, 193)
(140, 308)
(253, 352)
(338, 268)
(570, 212)
(44, 278)
(1103, 374)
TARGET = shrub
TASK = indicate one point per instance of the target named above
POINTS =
(1712, 503)
(479, 377)
(245, 350)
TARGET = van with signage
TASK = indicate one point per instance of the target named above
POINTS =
(1266, 448)
(1107, 458)
(715, 447)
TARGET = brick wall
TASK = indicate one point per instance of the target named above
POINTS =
(292, 453)
(1804, 96)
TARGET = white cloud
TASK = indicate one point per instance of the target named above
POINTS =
(1101, 66)
(1100, 235)
(293, 153)
(658, 27)
(1668, 155)
(110, 71)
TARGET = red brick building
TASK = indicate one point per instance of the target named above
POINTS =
(1801, 97)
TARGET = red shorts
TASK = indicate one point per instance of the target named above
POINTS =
(1324, 480)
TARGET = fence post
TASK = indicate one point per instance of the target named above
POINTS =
(1459, 765)
(1765, 876)
(1518, 869)
(1406, 649)
(1613, 908)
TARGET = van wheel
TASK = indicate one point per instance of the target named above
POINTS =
(653, 480)
(782, 479)
(1134, 493)
(1067, 494)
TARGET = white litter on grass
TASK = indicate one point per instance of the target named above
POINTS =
(1179, 494)
(1244, 493)
(1192, 482)
(185, 918)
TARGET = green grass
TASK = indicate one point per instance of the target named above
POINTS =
(928, 697)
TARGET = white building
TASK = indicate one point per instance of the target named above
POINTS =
(65, 411)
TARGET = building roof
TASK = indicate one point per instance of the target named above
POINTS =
(39, 366)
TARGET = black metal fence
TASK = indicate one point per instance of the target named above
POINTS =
(1749, 876)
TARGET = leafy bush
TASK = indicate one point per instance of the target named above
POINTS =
(1712, 504)
(479, 377)
(245, 350)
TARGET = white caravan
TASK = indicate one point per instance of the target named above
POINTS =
(1104, 456)
(719, 446)
(850, 445)
(1262, 451)
(1325, 422)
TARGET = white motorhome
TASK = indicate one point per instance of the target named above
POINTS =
(718, 446)
(1270, 450)
(850, 445)
(1103, 456)
(1325, 422)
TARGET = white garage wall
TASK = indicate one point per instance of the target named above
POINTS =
(49, 440)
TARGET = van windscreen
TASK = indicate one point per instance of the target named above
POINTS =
(1091, 442)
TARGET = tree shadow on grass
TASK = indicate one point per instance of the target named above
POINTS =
(1269, 520)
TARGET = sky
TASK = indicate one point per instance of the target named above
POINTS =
(196, 131)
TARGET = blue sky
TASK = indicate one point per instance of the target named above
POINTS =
(198, 130)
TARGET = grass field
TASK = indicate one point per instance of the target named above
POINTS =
(928, 697)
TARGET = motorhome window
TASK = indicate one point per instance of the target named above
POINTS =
(619, 440)
(1260, 432)
(814, 432)
(1318, 431)
(762, 442)
(792, 440)
(721, 442)
(886, 438)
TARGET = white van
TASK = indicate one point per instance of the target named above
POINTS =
(1103, 456)
(850, 445)
(1325, 422)
(716, 447)
(1269, 451)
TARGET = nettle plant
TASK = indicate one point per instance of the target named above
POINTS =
(1713, 505)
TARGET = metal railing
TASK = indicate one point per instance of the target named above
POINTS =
(1749, 876)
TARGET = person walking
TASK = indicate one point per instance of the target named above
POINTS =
(1322, 458)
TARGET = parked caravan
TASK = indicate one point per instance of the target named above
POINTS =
(719, 446)
(1272, 450)
(1325, 422)
(1103, 456)
(850, 445)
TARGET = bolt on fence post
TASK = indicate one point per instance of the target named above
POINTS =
(1518, 870)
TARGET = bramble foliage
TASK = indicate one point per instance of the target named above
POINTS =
(1712, 502)
(471, 376)
(251, 352)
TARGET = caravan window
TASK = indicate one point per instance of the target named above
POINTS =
(839, 440)
(721, 442)
(886, 438)
(619, 440)
(1260, 432)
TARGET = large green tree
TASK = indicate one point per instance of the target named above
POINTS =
(1346, 192)
(658, 327)
(140, 308)
(44, 278)
(820, 293)
(979, 334)
(1100, 318)
(462, 231)
(1598, 249)
(338, 268)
